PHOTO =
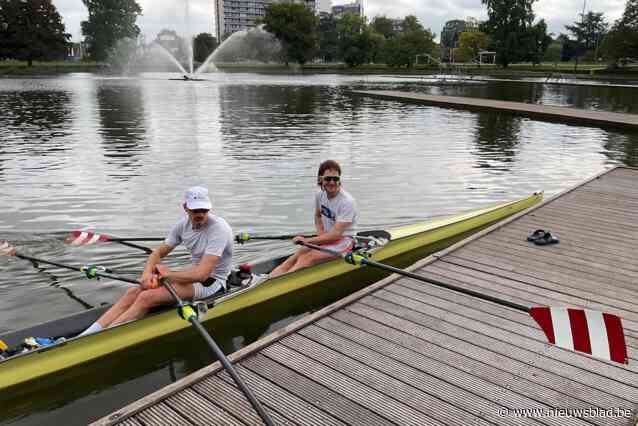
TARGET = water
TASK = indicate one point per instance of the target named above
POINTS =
(115, 154)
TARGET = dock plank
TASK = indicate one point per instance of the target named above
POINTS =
(322, 397)
(558, 360)
(199, 410)
(464, 354)
(282, 399)
(442, 383)
(497, 385)
(374, 391)
(160, 415)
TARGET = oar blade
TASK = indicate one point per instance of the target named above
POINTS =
(599, 334)
(6, 249)
(82, 238)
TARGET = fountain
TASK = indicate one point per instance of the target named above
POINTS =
(255, 45)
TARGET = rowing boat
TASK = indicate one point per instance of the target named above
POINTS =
(398, 246)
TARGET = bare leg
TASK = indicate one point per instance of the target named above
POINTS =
(150, 298)
(310, 258)
(288, 263)
(120, 306)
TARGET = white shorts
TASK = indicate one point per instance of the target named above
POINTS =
(343, 245)
(201, 292)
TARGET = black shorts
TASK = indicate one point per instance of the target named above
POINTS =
(209, 282)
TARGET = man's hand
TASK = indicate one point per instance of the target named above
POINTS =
(298, 239)
(162, 270)
(145, 279)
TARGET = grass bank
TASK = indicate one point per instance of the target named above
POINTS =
(584, 70)
(45, 68)
(515, 70)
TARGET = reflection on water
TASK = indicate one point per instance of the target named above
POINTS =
(35, 114)
(496, 139)
(122, 126)
(622, 147)
(129, 148)
(268, 122)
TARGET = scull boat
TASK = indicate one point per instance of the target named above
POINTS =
(399, 247)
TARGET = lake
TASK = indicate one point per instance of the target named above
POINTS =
(115, 155)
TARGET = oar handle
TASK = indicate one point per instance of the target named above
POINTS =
(357, 259)
(243, 237)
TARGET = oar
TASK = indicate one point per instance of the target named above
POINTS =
(81, 238)
(91, 271)
(185, 311)
(243, 237)
(190, 314)
(596, 333)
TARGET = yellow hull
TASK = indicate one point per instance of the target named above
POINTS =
(404, 240)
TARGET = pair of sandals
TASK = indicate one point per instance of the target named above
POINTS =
(540, 237)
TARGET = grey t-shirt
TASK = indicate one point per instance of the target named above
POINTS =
(215, 239)
(341, 208)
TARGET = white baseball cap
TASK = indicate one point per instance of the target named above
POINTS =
(197, 198)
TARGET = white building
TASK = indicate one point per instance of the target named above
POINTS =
(324, 6)
(356, 8)
(237, 15)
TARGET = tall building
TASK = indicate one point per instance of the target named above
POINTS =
(237, 15)
(451, 32)
(356, 8)
(397, 25)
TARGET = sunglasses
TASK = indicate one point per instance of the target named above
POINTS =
(335, 179)
(199, 211)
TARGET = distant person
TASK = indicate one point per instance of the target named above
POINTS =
(335, 221)
(209, 239)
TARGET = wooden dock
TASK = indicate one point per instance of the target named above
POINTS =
(556, 80)
(409, 353)
(576, 116)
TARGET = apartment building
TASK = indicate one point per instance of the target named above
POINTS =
(237, 15)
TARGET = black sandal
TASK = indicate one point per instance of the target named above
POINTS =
(546, 239)
(539, 233)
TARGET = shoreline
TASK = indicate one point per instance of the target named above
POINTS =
(586, 71)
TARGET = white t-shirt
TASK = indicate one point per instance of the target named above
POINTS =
(214, 239)
(341, 208)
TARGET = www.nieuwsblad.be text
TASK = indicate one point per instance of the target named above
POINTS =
(590, 412)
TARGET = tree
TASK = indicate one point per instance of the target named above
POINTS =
(590, 30)
(353, 37)
(413, 40)
(30, 30)
(622, 40)
(328, 38)
(508, 24)
(203, 45)
(295, 26)
(471, 43)
(375, 43)
(538, 42)
(553, 52)
(384, 26)
(109, 21)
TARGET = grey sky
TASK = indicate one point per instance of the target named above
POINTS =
(159, 14)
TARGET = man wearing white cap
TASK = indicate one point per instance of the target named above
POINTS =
(209, 238)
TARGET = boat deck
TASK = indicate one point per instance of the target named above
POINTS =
(409, 353)
(581, 117)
